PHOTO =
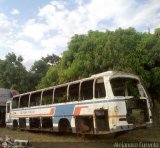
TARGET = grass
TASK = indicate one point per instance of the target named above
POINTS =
(47, 140)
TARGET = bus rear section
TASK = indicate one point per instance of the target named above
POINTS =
(133, 104)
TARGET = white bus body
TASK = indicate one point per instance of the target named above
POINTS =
(103, 103)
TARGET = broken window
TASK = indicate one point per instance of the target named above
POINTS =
(24, 100)
(87, 90)
(60, 94)
(47, 97)
(8, 107)
(125, 87)
(99, 88)
(74, 92)
(15, 102)
(35, 99)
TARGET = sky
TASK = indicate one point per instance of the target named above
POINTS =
(37, 28)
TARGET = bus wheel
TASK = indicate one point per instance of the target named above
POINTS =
(64, 126)
(15, 124)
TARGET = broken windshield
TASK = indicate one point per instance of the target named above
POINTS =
(127, 87)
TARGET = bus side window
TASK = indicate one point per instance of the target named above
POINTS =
(60, 94)
(100, 91)
(15, 102)
(73, 92)
(24, 100)
(47, 97)
(35, 98)
(87, 90)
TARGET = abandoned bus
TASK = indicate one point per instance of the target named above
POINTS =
(103, 103)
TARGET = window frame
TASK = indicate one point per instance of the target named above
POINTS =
(53, 89)
(57, 87)
(31, 98)
(20, 100)
(81, 83)
(94, 91)
(8, 107)
(68, 91)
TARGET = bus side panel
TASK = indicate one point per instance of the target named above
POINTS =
(117, 116)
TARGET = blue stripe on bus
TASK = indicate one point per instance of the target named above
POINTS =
(64, 110)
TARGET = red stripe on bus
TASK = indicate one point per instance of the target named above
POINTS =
(77, 110)
(52, 111)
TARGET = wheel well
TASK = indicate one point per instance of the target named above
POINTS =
(64, 125)
(84, 124)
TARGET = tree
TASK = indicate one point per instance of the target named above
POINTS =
(121, 50)
(157, 32)
(51, 59)
(50, 79)
(13, 74)
(40, 68)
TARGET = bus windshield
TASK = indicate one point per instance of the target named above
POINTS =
(127, 87)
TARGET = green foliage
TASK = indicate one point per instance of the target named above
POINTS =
(40, 68)
(51, 59)
(46, 100)
(13, 74)
(51, 78)
(157, 32)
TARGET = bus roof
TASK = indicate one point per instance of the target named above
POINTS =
(109, 74)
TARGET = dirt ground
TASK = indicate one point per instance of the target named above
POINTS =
(51, 140)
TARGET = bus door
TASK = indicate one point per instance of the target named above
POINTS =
(101, 106)
(8, 111)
